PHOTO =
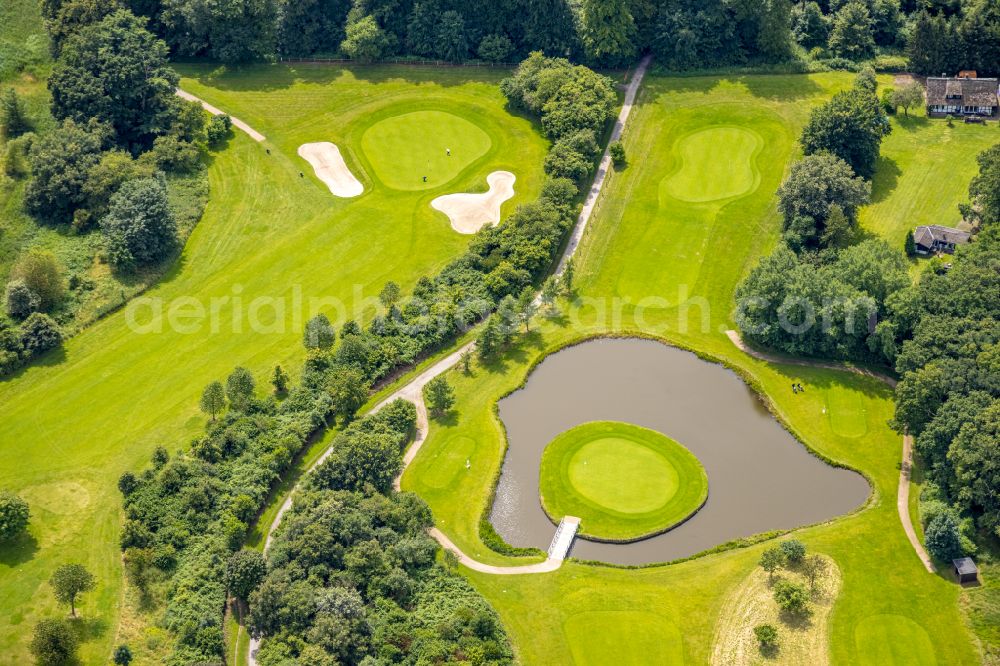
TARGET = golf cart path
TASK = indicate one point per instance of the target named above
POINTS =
(254, 134)
(906, 466)
(413, 391)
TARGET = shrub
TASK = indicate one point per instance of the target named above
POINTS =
(53, 642)
(766, 635)
(140, 227)
(20, 300)
(14, 515)
(617, 150)
(791, 597)
(943, 537)
(794, 550)
(13, 118)
(219, 129)
(40, 333)
(43, 275)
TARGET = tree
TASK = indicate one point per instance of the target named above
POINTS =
(771, 560)
(806, 199)
(440, 395)
(810, 27)
(973, 455)
(851, 126)
(138, 562)
(853, 35)
(69, 581)
(838, 228)
(240, 386)
(813, 567)
(466, 360)
(617, 152)
(985, 187)
(569, 272)
(792, 598)
(794, 550)
(122, 656)
(40, 333)
(930, 45)
(117, 72)
(364, 40)
(452, 44)
(20, 300)
(489, 340)
(14, 119)
(279, 380)
(766, 635)
(943, 538)
(219, 129)
(53, 643)
(608, 31)
(41, 273)
(495, 48)
(909, 96)
(319, 333)
(526, 307)
(127, 483)
(61, 160)
(213, 399)
(910, 245)
(227, 30)
(244, 572)
(389, 295)
(139, 228)
(550, 293)
(14, 515)
(348, 389)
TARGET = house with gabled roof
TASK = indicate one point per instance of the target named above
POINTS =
(934, 238)
(964, 96)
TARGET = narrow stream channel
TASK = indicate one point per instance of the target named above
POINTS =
(760, 477)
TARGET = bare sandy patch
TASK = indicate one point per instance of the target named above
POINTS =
(470, 212)
(330, 167)
(800, 641)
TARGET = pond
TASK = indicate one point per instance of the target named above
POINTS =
(760, 478)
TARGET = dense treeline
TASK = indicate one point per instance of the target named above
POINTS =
(823, 293)
(683, 34)
(352, 579)
(949, 393)
(122, 136)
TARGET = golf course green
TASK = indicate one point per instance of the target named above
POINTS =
(436, 144)
(623, 482)
(715, 164)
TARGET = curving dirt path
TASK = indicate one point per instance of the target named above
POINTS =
(215, 111)
(906, 466)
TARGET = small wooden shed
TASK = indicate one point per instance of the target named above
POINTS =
(966, 570)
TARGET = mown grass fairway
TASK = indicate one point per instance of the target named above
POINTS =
(623, 482)
(270, 242)
(681, 262)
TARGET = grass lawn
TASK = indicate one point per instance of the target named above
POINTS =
(272, 248)
(655, 264)
(923, 174)
(623, 482)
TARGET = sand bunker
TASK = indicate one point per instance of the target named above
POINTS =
(471, 212)
(329, 164)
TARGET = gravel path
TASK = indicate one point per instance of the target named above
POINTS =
(254, 134)
(903, 491)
